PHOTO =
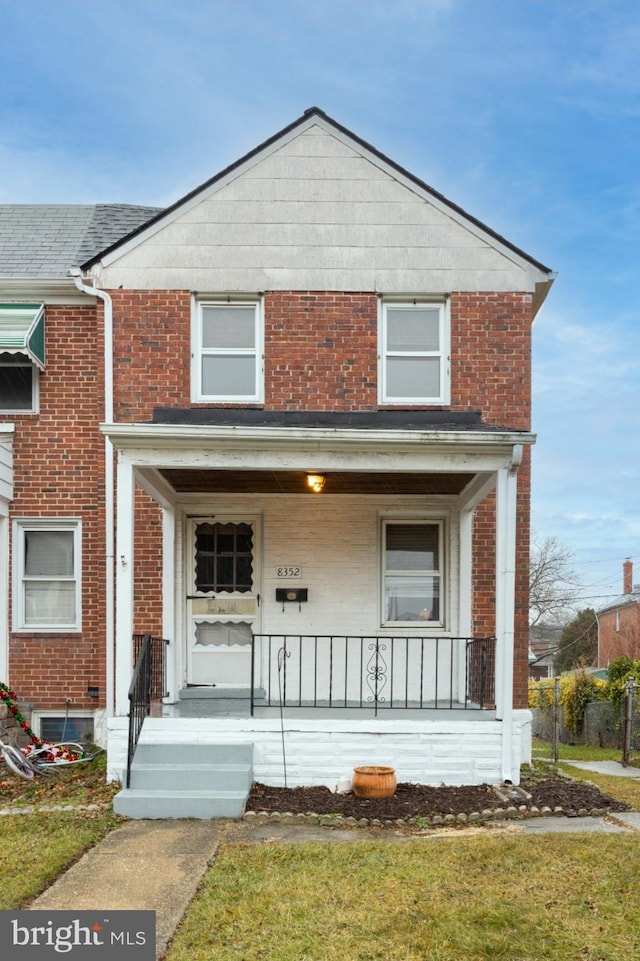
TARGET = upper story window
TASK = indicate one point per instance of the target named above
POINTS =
(18, 384)
(414, 353)
(47, 567)
(227, 355)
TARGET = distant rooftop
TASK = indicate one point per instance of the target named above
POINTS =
(47, 240)
(633, 597)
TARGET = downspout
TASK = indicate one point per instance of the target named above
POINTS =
(108, 487)
(506, 571)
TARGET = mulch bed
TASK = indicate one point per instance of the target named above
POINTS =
(555, 795)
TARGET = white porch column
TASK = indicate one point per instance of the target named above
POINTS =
(506, 491)
(168, 594)
(124, 584)
(465, 593)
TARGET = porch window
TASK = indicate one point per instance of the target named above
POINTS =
(224, 558)
(47, 575)
(413, 354)
(228, 352)
(412, 575)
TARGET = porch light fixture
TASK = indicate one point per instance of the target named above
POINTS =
(316, 482)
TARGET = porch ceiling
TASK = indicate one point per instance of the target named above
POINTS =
(191, 480)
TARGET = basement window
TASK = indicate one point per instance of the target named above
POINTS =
(62, 727)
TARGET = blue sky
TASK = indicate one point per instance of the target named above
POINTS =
(524, 112)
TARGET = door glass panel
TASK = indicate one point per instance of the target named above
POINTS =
(224, 558)
(223, 634)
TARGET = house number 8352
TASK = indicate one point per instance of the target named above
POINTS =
(288, 572)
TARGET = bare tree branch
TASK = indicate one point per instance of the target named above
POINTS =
(553, 583)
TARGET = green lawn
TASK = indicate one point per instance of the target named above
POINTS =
(37, 847)
(575, 752)
(484, 898)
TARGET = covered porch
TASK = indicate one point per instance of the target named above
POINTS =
(325, 651)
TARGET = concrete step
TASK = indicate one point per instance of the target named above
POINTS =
(214, 702)
(201, 777)
(137, 803)
(177, 753)
(176, 780)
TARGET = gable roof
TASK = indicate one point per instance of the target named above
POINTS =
(623, 600)
(313, 114)
(46, 240)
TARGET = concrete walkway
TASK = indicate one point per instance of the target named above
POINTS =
(143, 865)
(614, 768)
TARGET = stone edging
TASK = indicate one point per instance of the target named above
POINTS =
(52, 808)
(436, 820)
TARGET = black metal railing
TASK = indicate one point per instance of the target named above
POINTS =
(339, 671)
(148, 684)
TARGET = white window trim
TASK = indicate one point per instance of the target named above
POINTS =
(197, 394)
(20, 525)
(428, 626)
(443, 304)
(35, 390)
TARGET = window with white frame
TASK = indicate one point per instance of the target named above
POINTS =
(47, 567)
(414, 353)
(18, 384)
(228, 352)
(412, 588)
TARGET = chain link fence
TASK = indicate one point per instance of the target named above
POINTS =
(631, 725)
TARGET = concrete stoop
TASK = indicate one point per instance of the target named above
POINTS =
(187, 781)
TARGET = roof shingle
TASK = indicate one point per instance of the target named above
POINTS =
(47, 240)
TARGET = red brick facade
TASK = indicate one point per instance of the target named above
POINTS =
(59, 472)
(619, 633)
(321, 353)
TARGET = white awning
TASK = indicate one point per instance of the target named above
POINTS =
(22, 331)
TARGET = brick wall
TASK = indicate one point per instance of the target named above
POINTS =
(321, 350)
(619, 634)
(491, 369)
(59, 472)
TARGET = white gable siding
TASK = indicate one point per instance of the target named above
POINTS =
(317, 215)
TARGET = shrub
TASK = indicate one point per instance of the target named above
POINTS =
(541, 693)
(578, 690)
(619, 672)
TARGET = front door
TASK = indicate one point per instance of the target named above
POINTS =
(223, 601)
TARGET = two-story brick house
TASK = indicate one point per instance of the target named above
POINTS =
(619, 622)
(284, 424)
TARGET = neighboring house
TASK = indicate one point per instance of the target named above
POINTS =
(286, 425)
(619, 622)
(543, 645)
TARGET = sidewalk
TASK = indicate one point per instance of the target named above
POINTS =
(158, 865)
(614, 768)
(143, 865)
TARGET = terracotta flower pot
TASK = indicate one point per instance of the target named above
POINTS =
(374, 782)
